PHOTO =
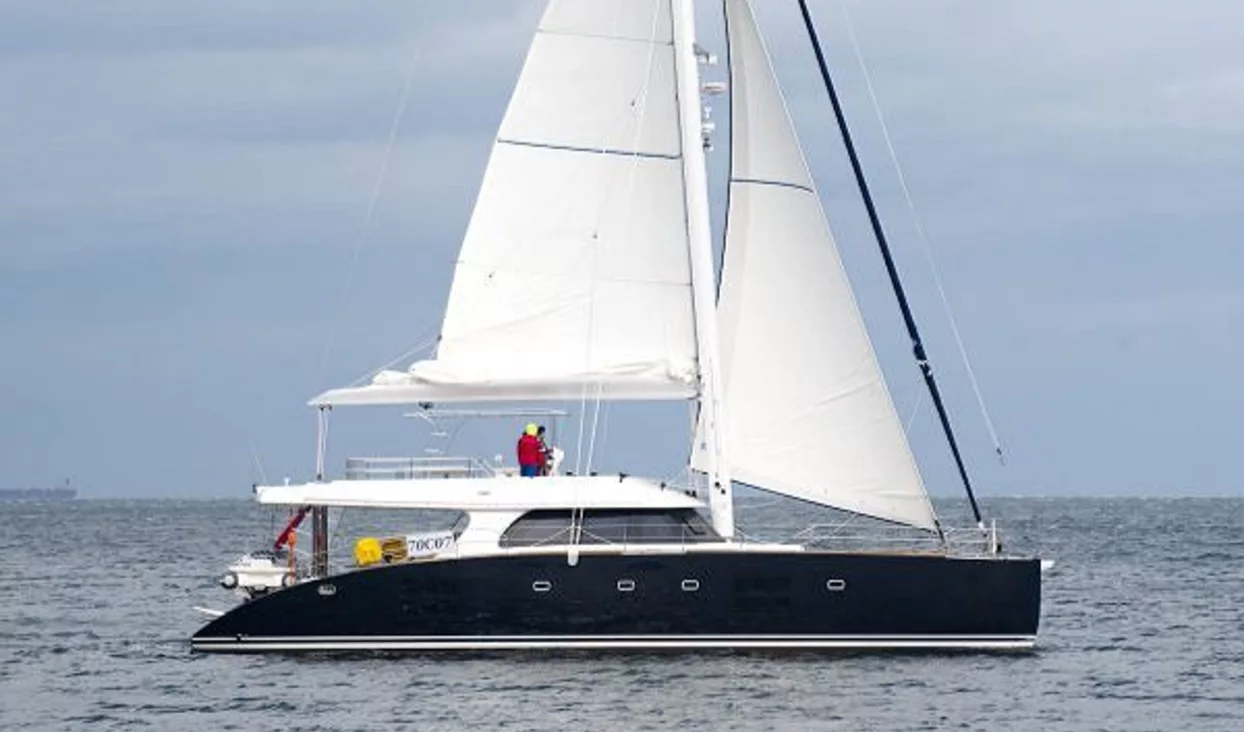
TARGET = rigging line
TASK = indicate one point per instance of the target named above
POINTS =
(591, 446)
(920, 233)
(357, 247)
(640, 104)
(577, 176)
(578, 449)
(424, 341)
(271, 526)
(335, 535)
(564, 208)
(255, 456)
(909, 320)
(915, 410)
(725, 222)
(604, 430)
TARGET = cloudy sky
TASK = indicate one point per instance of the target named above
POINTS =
(183, 185)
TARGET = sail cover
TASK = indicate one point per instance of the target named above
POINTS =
(808, 412)
(574, 276)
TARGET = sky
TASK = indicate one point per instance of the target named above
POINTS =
(183, 261)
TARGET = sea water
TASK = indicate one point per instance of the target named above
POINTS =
(1142, 629)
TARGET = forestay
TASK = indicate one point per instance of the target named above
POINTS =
(573, 279)
(808, 411)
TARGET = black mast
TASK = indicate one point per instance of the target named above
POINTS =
(917, 346)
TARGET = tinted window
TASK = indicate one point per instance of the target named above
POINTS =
(538, 527)
(627, 526)
(610, 526)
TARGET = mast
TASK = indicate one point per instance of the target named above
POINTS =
(695, 188)
(909, 320)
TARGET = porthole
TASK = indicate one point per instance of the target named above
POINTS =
(326, 590)
(836, 585)
(691, 585)
(626, 585)
(541, 586)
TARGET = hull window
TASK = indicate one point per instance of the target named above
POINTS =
(626, 585)
(691, 585)
(541, 586)
(836, 585)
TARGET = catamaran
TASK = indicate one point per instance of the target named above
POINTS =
(598, 172)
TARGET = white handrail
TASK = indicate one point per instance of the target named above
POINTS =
(372, 468)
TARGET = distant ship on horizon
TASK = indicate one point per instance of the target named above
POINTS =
(62, 493)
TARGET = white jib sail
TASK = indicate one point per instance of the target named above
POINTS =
(808, 411)
(573, 277)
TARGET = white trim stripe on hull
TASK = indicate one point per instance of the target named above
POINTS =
(469, 643)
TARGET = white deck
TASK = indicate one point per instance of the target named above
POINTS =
(482, 494)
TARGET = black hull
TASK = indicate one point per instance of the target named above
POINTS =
(697, 599)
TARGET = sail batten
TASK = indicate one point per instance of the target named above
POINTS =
(809, 413)
(778, 183)
(589, 150)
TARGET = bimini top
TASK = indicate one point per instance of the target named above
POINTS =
(475, 494)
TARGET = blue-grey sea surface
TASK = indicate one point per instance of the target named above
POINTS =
(1141, 630)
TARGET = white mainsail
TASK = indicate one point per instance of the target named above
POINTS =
(573, 278)
(808, 413)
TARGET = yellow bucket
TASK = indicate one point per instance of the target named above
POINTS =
(367, 551)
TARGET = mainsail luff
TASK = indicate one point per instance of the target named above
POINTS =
(703, 283)
(810, 415)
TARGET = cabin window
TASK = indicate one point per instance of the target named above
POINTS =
(538, 527)
(637, 526)
(610, 526)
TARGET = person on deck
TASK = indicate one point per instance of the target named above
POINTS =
(530, 453)
(546, 452)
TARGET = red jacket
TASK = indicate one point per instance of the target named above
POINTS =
(529, 451)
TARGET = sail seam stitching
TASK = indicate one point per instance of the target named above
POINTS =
(606, 37)
(589, 150)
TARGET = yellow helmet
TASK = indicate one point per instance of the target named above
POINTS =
(531, 429)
